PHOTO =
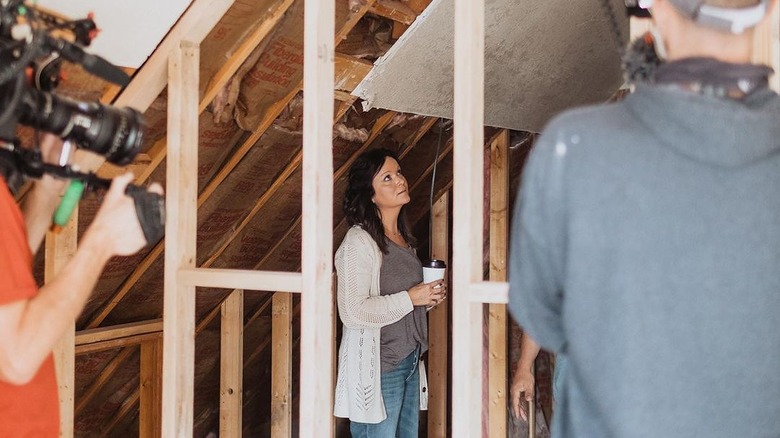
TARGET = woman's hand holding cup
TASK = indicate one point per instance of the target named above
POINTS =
(428, 294)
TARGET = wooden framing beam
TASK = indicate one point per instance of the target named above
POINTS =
(112, 344)
(103, 334)
(345, 98)
(124, 409)
(231, 369)
(438, 328)
(467, 226)
(394, 10)
(281, 370)
(200, 327)
(266, 342)
(428, 170)
(180, 228)
(317, 341)
(150, 389)
(495, 292)
(418, 6)
(104, 376)
(241, 279)
(420, 133)
(109, 334)
(111, 91)
(350, 71)
(497, 318)
(766, 46)
(60, 247)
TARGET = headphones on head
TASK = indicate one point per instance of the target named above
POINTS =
(734, 20)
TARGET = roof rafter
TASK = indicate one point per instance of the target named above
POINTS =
(379, 125)
(158, 154)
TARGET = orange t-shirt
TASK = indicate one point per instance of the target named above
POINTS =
(30, 410)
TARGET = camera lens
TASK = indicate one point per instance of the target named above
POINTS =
(115, 133)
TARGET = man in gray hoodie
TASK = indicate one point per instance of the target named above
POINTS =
(646, 242)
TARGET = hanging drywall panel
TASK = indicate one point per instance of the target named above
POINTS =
(541, 56)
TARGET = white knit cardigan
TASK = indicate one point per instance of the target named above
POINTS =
(364, 312)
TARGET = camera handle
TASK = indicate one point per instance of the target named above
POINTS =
(149, 207)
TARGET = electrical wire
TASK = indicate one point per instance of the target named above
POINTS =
(433, 184)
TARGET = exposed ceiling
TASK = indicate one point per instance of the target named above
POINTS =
(249, 215)
(541, 56)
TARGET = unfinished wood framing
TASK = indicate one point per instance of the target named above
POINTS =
(221, 78)
(241, 279)
(496, 292)
(317, 340)
(497, 317)
(150, 411)
(351, 67)
(196, 22)
(281, 359)
(180, 230)
(438, 328)
(116, 332)
(117, 343)
(766, 46)
(231, 369)
(182, 277)
(60, 247)
(467, 222)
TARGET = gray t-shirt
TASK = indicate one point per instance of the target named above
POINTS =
(401, 269)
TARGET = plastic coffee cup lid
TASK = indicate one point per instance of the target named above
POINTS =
(436, 264)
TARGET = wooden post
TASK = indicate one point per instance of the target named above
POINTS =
(467, 230)
(231, 365)
(316, 409)
(60, 248)
(438, 328)
(497, 320)
(334, 353)
(150, 411)
(180, 232)
(766, 46)
(281, 372)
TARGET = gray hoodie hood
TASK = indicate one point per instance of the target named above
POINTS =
(737, 133)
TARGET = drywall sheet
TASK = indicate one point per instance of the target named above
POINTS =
(541, 56)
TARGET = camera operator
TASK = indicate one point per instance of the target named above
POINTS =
(32, 319)
(646, 241)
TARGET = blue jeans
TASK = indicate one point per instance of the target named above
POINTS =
(401, 394)
(561, 365)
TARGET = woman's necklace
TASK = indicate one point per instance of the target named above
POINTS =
(396, 237)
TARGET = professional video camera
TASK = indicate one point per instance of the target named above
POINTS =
(33, 46)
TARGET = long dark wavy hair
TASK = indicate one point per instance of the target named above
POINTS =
(358, 207)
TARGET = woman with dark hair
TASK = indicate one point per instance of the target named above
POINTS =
(382, 303)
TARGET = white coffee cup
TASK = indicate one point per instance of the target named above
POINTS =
(433, 270)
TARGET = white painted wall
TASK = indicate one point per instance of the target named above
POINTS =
(130, 29)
